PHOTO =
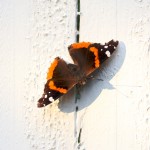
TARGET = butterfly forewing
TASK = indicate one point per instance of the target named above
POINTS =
(89, 56)
(59, 81)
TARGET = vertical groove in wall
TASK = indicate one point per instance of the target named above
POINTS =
(77, 94)
(78, 22)
(116, 81)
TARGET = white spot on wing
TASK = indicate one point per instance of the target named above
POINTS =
(51, 99)
(107, 53)
(105, 46)
(45, 96)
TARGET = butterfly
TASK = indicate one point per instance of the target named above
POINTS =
(63, 76)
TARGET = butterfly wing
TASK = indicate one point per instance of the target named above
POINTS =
(106, 50)
(59, 80)
(82, 57)
(89, 56)
(62, 77)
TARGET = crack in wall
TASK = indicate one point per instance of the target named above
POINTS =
(79, 136)
(77, 92)
(78, 22)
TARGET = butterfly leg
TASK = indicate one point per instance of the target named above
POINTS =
(94, 78)
(77, 92)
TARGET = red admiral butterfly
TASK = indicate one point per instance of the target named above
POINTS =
(61, 77)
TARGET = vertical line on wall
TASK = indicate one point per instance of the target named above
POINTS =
(78, 21)
(116, 19)
(116, 81)
(77, 94)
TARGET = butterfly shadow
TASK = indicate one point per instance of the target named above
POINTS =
(93, 88)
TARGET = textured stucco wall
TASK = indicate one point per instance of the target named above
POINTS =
(113, 113)
(32, 34)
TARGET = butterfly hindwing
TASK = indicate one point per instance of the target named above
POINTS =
(82, 56)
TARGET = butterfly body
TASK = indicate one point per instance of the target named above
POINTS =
(61, 77)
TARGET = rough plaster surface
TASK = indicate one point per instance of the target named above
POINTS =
(32, 34)
(113, 113)
(119, 117)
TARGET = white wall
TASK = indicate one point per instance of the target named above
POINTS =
(113, 114)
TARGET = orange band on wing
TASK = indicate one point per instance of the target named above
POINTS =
(95, 51)
(53, 87)
(51, 69)
(81, 45)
